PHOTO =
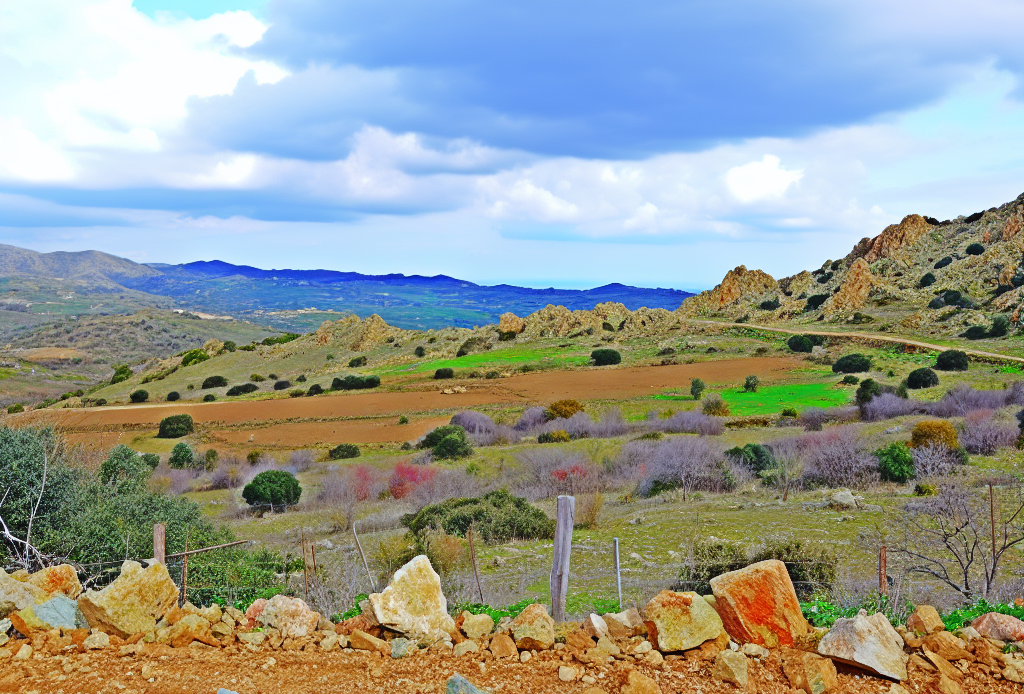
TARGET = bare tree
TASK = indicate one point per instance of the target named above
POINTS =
(959, 537)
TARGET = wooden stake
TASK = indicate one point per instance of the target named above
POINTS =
(305, 571)
(472, 555)
(362, 556)
(559, 580)
(160, 543)
(618, 572)
(312, 549)
(992, 521)
(184, 571)
(883, 573)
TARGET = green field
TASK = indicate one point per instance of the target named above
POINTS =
(552, 357)
(772, 399)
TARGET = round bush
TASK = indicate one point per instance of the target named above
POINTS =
(975, 249)
(868, 389)
(934, 432)
(301, 378)
(750, 384)
(242, 389)
(256, 378)
(282, 385)
(851, 364)
(356, 362)
(150, 459)
(444, 373)
(563, 409)
(605, 357)
(559, 436)
(927, 280)
(181, 456)
(139, 396)
(175, 426)
(173, 396)
(209, 397)
(194, 356)
(420, 351)
(454, 445)
(975, 332)
(697, 388)
(15, 408)
(944, 262)
(214, 382)
(952, 360)
(315, 389)
(814, 302)
(715, 406)
(272, 488)
(799, 343)
(344, 451)
(850, 380)
(895, 463)
(922, 378)
(770, 304)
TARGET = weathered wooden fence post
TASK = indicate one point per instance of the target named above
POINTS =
(559, 582)
(160, 543)
(883, 572)
(618, 571)
(472, 555)
(359, 546)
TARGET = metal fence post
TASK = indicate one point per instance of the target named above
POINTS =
(618, 571)
(160, 543)
(559, 580)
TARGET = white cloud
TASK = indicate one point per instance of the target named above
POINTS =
(760, 180)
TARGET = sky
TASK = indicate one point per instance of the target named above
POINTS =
(542, 143)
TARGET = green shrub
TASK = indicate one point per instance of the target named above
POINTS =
(1000, 326)
(895, 463)
(297, 393)
(697, 388)
(152, 460)
(453, 446)
(194, 356)
(975, 332)
(815, 301)
(559, 436)
(315, 389)
(353, 382)
(181, 456)
(420, 351)
(176, 426)
(789, 412)
(173, 396)
(750, 384)
(123, 466)
(965, 615)
(868, 389)
(444, 373)
(230, 346)
(242, 389)
(139, 395)
(272, 488)
(770, 304)
(944, 262)
(922, 378)
(344, 451)
(927, 280)
(974, 249)
(253, 457)
(715, 406)
(851, 363)
(605, 357)
(282, 385)
(122, 372)
(812, 568)
(850, 380)
(356, 362)
(214, 382)
(279, 339)
(754, 456)
(15, 408)
(209, 397)
(799, 343)
(402, 419)
(952, 360)
(497, 517)
(256, 378)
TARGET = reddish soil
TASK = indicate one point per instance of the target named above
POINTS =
(192, 671)
(307, 419)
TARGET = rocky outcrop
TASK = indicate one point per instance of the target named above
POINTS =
(680, 621)
(374, 330)
(758, 604)
(893, 240)
(738, 282)
(511, 324)
(925, 620)
(59, 612)
(133, 603)
(1014, 224)
(533, 629)
(853, 292)
(999, 626)
(731, 667)
(291, 616)
(62, 579)
(414, 605)
(866, 642)
(17, 595)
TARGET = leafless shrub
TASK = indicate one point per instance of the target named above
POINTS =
(389, 518)
(336, 584)
(171, 481)
(691, 422)
(981, 435)
(229, 473)
(548, 472)
(813, 418)
(588, 510)
(581, 426)
(889, 406)
(935, 461)
(445, 484)
(610, 425)
(482, 430)
(301, 461)
(532, 419)
(688, 464)
(962, 399)
(339, 498)
(835, 458)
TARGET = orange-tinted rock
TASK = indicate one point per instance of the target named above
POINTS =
(61, 579)
(925, 620)
(511, 324)
(999, 626)
(680, 621)
(1014, 224)
(893, 239)
(758, 604)
(502, 646)
(948, 646)
(534, 629)
(133, 602)
(737, 283)
(854, 290)
(809, 672)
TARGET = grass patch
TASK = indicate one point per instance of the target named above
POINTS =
(771, 399)
(549, 357)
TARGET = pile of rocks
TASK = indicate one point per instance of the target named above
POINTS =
(751, 621)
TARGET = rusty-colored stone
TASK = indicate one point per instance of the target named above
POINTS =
(758, 604)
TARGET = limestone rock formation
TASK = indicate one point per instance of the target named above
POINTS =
(680, 621)
(738, 282)
(414, 605)
(809, 672)
(867, 642)
(731, 667)
(758, 604)
(291, 616)
(374, 331)
(133, 602)
(61, 579)
(477, 626)
(853, 292)
(17, 595)
(59, 612)
(534, 629)
(893, 240)
(1014, 224)
(925, 620)
(999, 626)
(511, 324)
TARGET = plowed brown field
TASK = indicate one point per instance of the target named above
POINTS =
(355, 416)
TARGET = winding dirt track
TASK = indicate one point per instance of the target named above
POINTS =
(360, 417)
